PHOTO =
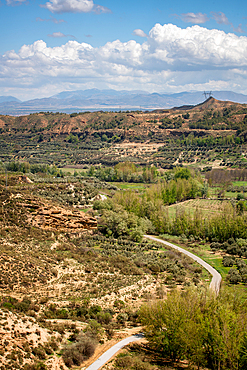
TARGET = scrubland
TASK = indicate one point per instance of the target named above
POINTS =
(77, 195)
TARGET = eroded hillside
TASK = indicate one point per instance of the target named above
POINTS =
(61, 278)
(105, 138)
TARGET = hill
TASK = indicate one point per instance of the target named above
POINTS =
(105, 138)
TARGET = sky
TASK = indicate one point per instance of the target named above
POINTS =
(157, 46)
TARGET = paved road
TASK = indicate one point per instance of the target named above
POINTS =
(112, 351)
(214, 285)
(216, 279)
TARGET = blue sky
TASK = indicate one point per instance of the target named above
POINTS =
(158, 46)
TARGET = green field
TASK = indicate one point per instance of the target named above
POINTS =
(216, 262)
(207, 206)
(129, 186)
(239, 183)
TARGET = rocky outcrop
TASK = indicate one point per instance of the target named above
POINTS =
(48, 217)
(57, 218)
(25, 179)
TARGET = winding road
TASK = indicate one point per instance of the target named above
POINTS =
(216, 277)
(113, 350)
(214, 285)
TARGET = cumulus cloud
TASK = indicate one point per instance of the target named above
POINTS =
(74, 6)
(139, 32)
(51, 19)
(220, 17)
(69, 6)
(171, 58)
(196, 18)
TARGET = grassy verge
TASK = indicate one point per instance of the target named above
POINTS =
(202, 251)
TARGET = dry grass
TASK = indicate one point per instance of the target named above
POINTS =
(50, 278)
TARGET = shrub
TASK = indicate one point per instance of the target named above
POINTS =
(122, 318)
(228, 261)
(77, 352)
(129, 362)
(94, 310)
(39, 352)
(104, 317)
(124, 362)
(36, 366)
(234, 276)
(94, 329)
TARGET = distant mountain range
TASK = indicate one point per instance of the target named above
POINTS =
(94, 99)
(4, 99)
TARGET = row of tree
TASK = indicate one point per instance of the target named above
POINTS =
(26, 167)
(219, 176)
(179, 185)
(127, 172)
(219, 226)
(121, 172)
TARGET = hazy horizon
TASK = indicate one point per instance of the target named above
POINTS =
(49, 47)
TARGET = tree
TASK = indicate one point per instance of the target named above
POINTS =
(72, 138)
(91, 171)
(182, 173)
(207, 331)
(164, 323)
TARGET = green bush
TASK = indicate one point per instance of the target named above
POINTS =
(234, 276)
(228, 261)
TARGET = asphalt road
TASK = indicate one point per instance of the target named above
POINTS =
(113, 350)
(216, 277)
(214, 285)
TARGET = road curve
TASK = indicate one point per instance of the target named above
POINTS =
(112, 351)
(214, 285)
(216, 279)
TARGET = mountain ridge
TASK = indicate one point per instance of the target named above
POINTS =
(95, 99)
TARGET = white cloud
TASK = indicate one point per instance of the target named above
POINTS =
(197, 46)
(98, 9)
(15, 2)
(220, 17)
(74, 6)
(171, 59)
(60, 34)
(238, 29)
(51, 19)
(139, 32)
(196, 18)
(57, 34)
(69, 6)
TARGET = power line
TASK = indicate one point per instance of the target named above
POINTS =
(207, 94)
